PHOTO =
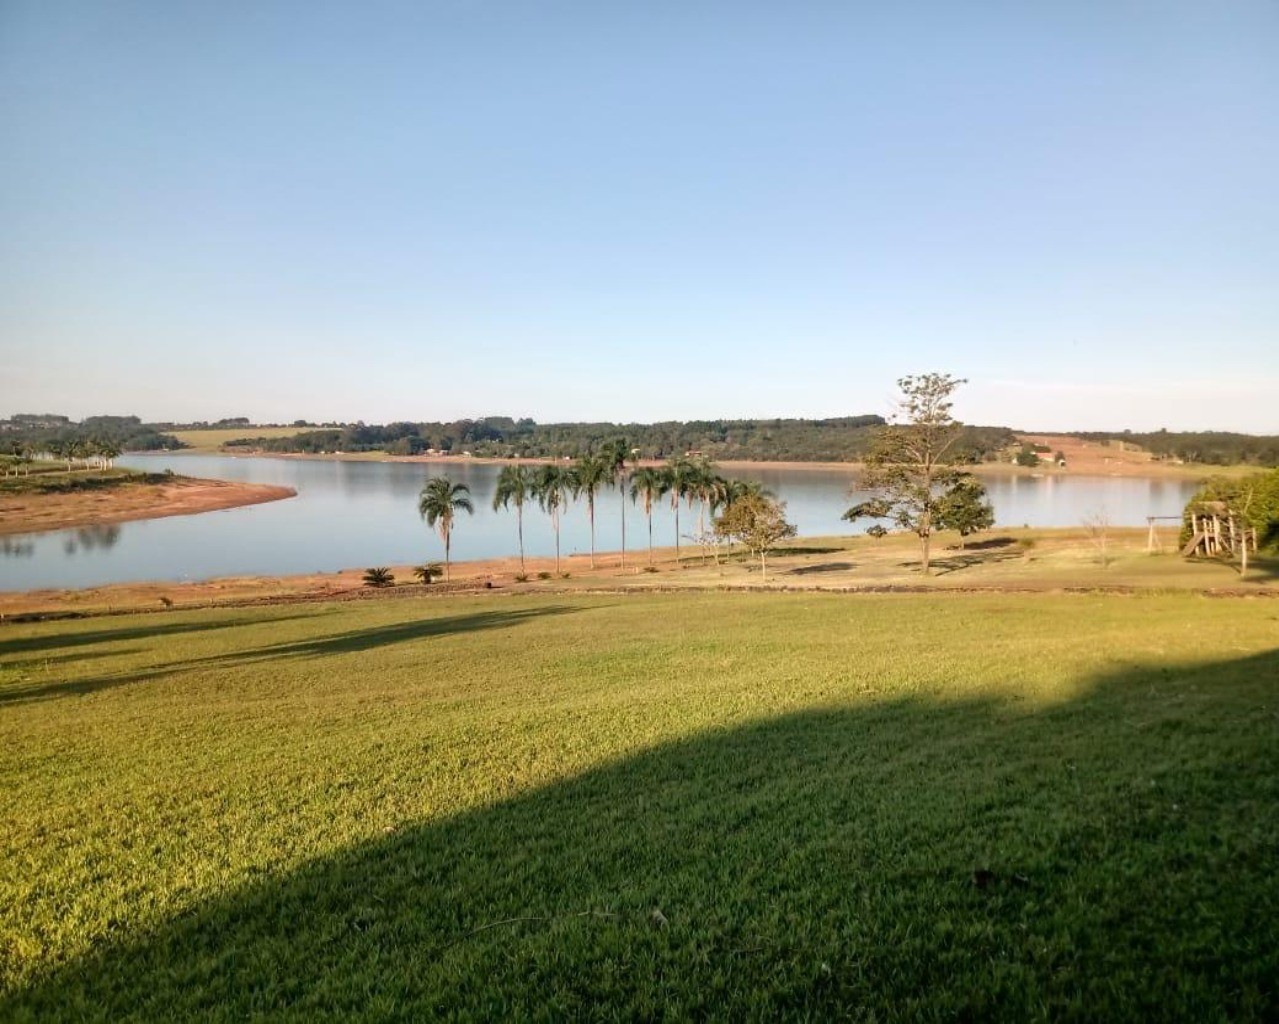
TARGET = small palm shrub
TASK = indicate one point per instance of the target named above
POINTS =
(521, 577)
(428, 573)
(379, 577)
(543, 575)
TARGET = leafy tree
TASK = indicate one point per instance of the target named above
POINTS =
(910, 467)
(515, 485)
(439, 503)
(650, 484)
(758, 522)
(1027, 456)
(588, 474)
(551, 487)
(964, 508)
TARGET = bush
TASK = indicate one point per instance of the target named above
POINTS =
(521, 577)
(544, 575)
(379, 577)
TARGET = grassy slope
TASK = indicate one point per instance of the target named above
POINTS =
(343, 808)
(211, 441)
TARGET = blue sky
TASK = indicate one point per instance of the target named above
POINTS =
(641, 211)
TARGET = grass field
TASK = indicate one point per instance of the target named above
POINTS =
(726, 806)
(205, 441)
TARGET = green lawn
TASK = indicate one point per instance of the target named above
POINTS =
(687, 805)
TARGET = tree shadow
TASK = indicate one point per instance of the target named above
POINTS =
(809, 570)
(356, 640)
(1112, 856)
(958, 562)
(988, 544)
(352, 641)
(69, 637)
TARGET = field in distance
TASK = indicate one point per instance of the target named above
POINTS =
(211, 441)
(684, 805)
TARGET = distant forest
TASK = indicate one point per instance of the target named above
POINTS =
(1210, 447)
(842, 439)
(37, 432)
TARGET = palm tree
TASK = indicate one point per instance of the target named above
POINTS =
(614, 456)
(681, 476)
(551, 487)
(588, 475)
(736, 490)
(702, 485)
(649, 483)
(514, 487)
(439, 503)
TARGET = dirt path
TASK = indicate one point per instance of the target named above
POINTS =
(35, 513)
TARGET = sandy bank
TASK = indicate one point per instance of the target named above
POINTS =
(1083, 459)
(182, 496)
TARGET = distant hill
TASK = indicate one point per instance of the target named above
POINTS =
(1209, 447)
(839, 439)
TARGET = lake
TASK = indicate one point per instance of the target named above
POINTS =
(359, 514)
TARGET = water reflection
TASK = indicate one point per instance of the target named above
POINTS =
(16, 547)
(352, 514)
(91, 538)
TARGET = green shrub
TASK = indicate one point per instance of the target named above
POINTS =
(379, 577)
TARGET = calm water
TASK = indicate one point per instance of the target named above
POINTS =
(358, 514)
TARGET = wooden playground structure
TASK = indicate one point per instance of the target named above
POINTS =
(1217, 531)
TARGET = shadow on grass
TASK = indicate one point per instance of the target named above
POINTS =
(353, 641)
(158, 624)
(1112, 857)
(357, 640)
(810, 570)
(989, 544)
(957, 563)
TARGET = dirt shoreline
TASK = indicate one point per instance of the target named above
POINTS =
(1017, 560)
(182, 496)
(1083, 459)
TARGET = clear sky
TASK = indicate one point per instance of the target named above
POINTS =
(641, 211)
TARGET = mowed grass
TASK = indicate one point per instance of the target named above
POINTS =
(733, 806)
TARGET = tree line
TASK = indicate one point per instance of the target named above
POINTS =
(28, 436)
(1209, 447)
(841, 439)
(912, 471)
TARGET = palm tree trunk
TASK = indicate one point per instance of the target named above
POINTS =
(590, 514)
(447, 577)
(763, 565)
(519, 526)
(650, 536)
(623, 491)
(555, 521)
(677, 533)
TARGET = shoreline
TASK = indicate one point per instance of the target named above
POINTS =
(1087, 467)
(29, 514)
(1013, 560)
